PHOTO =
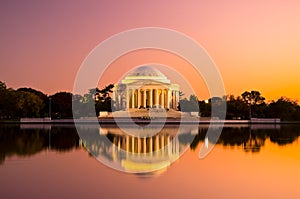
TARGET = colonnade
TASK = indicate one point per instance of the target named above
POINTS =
(159, 98)
(159, 143)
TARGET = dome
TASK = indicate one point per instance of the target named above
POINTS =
(146, 71)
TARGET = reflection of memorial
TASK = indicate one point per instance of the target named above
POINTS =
(146, 145)
(139, 154)
(146, 154)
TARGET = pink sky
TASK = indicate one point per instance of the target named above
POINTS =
(255, 44)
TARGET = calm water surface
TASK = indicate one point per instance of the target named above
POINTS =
(259, 161)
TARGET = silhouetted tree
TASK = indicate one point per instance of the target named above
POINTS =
(205, 108)
(45, 110)
(252, 98)
(8, 100)
(236, 108)
(284, 108)
(61, 105)
(28, 104)
(103, 101)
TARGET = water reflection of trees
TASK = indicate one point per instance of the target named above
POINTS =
(29, 141)
(251, 138)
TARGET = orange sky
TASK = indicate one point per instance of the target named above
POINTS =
(255, 44)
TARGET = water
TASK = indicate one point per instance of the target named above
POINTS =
(259, 161)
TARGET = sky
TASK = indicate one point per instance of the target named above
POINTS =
(255, 44)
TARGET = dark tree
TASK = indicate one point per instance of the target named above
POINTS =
(253, 99)
(8, 100)
(45, 110)
(285, 109)
(28, 104)
(61, 105)
(236, 108)
(103, 101)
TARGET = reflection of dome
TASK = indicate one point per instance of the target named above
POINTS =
(145, 71)
(136, 167)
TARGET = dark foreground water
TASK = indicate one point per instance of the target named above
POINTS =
(260, 161)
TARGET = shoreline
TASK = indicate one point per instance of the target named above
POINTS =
(143, 121)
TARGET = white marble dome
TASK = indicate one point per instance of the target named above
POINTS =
(145, 73)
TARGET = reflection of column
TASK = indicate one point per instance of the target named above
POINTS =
(113, 147)
(156, 98)
(169, 145)
(132, 144)
(145, 145)
(139, 145)
(132, 99)
(150, 145)
(139, 98)
(162, 98)
(127, 143)
(151, 98)
(156, 143)
(144, 98)
(177, 146)
(162, 141)
(119, 143)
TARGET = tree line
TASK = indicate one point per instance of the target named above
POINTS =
(28, 102)
(250, 104)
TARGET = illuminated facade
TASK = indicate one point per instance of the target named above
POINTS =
(146, 87)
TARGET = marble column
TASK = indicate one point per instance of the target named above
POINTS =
(139, 98)
(174, 96)
(151, 98)
(156, 98)
(132, 99)
(144, 98)
(177, 96)
(168, 98)
(162, 98)
(127, 99)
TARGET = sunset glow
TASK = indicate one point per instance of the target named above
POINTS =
(255, 44)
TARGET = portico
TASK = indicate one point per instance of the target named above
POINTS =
(146, 87)
(151, 97)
